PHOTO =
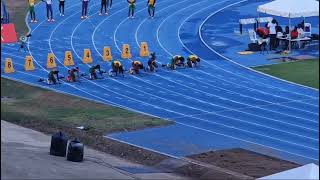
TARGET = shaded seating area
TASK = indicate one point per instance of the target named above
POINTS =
(293, 36)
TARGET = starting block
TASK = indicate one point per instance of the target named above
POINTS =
(144, 50)
(107, 54)
(51, 63)
(68, 59)
(87, 58)
(126, 54)
(28, 65)
(8, 66)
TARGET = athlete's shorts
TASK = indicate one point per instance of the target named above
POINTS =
(132, 6)
(151, 6)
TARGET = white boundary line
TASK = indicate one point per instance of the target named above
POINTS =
(199, 31)
(213, 113)
(177, 122)
(214, 86)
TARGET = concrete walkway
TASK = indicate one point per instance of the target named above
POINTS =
(25, 154)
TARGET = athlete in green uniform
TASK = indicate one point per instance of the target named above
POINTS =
(176, 60)
(132, 6)
(93, 71)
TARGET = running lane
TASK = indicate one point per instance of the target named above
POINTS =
(220, 105)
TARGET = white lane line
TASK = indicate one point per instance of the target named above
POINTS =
(115, 37)
(239, 138)
(208, 61)
(209, 84)
(199, 32)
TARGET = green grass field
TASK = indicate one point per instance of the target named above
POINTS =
(304, 72)
(36, 105)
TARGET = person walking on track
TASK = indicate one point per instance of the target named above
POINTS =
(103, 5)
(61, 7)
(31, 11)
(49, 10)
(132, 6)
(84, 13)
(151, 7)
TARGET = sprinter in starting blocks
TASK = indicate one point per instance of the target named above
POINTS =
(53, 78)
(73, 75)
(193, 61)
(116, 68)
(176, 61)
(152, 62)
(136, 66)
(93, 72)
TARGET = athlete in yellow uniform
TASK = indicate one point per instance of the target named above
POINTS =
(151, 7)
(116, 67)
(32, 12)
(136, 66)
(193, 61)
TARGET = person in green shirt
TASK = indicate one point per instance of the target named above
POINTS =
(132, 6)
(176, 60)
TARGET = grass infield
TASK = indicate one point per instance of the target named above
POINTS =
(33, 104)
(305, 72)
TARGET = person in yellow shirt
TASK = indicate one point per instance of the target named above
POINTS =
(193, 61)
(31, 11)
(136, 66)
(116, 68)
(132, 6)
(151, 7)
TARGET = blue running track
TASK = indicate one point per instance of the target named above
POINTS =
(220, 105)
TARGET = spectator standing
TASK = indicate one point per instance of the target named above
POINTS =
(103, 5)
(49, 10)
(272, 33)
(84, 13)
(31, 11)
(132, 6)
(61, 7)
(151, 7)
